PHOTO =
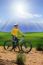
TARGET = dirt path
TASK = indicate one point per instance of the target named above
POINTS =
(8, 58)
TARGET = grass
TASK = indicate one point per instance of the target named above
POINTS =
(39, 47)
(35, 37)
(20, 60)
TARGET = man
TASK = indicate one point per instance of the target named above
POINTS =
(15, 34)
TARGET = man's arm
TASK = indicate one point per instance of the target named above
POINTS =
(21, 33)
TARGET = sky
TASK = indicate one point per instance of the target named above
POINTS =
(21, 11)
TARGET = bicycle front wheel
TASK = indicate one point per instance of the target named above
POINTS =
(8, 45)
(26, 46)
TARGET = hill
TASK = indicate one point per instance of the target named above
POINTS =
(25, 27)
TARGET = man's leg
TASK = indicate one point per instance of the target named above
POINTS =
(15, 43)
(13, 38)
(16, 39)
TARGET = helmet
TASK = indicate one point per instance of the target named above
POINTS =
(15, 25)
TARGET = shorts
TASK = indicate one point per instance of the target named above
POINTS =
(15, 39)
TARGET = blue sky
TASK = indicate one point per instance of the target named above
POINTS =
(21, 11)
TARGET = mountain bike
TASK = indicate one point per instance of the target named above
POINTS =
(22, 45)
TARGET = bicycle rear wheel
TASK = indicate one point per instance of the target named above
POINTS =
(8, 45)
(26, 46)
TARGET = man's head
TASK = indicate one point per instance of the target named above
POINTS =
(16, 26)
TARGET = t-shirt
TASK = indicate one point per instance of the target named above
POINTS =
(16, 32)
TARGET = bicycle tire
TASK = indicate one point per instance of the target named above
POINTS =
(30, 45)
(7, 45)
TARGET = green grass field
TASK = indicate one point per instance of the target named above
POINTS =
(35, 37)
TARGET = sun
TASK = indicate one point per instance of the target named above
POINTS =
(18, 9)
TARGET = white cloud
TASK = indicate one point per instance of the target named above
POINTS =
(30, 15)
(25, 15)
(37, 15)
